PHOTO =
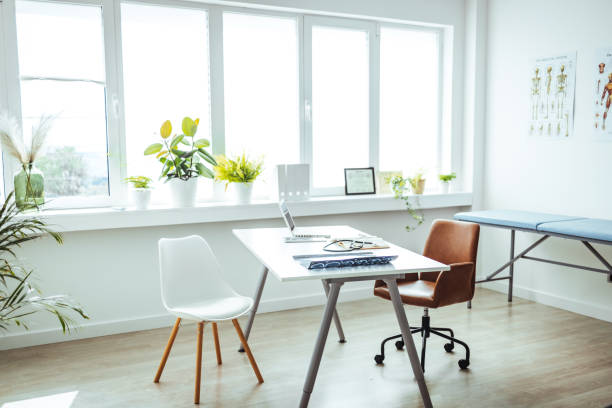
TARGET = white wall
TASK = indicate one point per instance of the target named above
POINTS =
(115, 275)
(538, 174)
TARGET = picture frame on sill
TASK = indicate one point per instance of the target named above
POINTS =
(359, 181)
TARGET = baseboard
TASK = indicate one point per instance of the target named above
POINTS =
(105, 328)
(550, 299)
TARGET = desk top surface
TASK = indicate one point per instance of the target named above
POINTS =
(268, 246)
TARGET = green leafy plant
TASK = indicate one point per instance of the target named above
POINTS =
(447, 178)
(178, 163)
(238, 170)
(399, 186)
(19, 297)
(139, 182)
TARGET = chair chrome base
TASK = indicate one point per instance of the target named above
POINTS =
(425, 331)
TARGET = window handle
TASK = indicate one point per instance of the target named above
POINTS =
(115, 103)
(307, 110)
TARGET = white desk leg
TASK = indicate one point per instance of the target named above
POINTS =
(400, 313)
(315, 360)
(256, 299)
(337, 323)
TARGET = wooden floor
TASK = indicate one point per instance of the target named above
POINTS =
(523, 354)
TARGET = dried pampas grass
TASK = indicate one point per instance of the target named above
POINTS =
(12, 141)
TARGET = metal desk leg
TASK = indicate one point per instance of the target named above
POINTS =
(256, 299)
(511, 280)
(337, 323)
(315, 360)
(408, 342)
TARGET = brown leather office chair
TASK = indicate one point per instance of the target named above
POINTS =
(454, 243)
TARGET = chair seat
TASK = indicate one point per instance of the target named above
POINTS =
(225, 308)
(417, 293)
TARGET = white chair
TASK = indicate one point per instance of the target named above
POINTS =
(192, 288)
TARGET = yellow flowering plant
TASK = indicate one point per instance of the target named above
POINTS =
(238, 170)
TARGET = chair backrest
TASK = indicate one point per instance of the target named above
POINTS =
(451, 242)
(189, 272)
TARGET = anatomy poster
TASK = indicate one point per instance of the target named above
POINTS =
(602, 92)
(552, 96)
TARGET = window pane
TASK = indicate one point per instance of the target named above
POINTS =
(75, 161)
(340, 103)
(166, 77)
(409, 117)
(60, 40)
(261, 89)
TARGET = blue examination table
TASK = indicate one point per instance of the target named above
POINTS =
(586, 230)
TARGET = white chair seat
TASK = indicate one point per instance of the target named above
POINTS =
(225, 308)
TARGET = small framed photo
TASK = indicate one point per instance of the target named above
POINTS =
(359, 181)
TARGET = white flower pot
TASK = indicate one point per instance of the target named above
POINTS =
(242, 192)
(183, 193)
(445, 187)
(141, 197)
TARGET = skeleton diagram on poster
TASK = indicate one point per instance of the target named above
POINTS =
(602, 92)
(553, 82)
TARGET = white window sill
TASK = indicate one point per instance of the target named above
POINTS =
(111, 218)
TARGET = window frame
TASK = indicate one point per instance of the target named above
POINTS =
(442, 82)
(371, 28)
(299, 21)
(111, 24)
(114, 134)
(4, 103)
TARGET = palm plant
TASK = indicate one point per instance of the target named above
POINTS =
(19, 297)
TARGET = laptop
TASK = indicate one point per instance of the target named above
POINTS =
(295, 235)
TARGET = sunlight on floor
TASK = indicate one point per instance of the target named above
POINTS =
(63, 400)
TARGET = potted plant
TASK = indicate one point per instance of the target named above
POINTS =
(181, 168)
(241, 172)
(446, 179)
(19, 297)
(399, 186)
(141, 191)
(417, 182)
(29, 181)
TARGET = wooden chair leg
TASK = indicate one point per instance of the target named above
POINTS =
(217, 347)
(245, 345)
(196, 397)
(162, 364)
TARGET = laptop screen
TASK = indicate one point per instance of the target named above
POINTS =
(286, 215)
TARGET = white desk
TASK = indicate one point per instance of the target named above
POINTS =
(267, 245)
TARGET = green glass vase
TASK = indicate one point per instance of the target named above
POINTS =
(29, 187)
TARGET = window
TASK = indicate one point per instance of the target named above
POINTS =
(63, 74)
(340, 103)
(332, 92)
(166, 76)
(261, 79)
(409, 100)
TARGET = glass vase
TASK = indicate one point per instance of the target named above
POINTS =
(29, 187)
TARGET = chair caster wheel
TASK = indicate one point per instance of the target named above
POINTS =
(399, 344)
(449, 347)
(379, 359)
(463, 364)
